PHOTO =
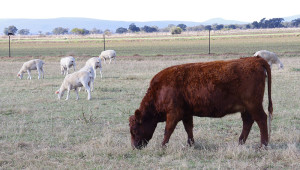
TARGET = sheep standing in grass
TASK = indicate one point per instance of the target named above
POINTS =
(35, 64)
(89, 69)
(73, 81)
(270, 57)
(66, 63)
(94, 62)
(108, 54)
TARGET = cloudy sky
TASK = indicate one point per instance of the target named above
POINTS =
(151, 10)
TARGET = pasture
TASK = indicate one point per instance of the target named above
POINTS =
(38, 131)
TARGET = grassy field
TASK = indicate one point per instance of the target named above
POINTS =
(40, 132)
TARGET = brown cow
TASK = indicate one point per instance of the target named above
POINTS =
(211, 89)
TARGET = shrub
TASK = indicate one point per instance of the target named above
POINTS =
(176, 30)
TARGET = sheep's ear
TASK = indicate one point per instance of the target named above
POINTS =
(57, 92)
(138, 115)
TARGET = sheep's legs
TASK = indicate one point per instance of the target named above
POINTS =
(68, 93)
(88, 89)
(42, 72)
(29, 76)
(89, 93)
(100, 73)
(77, 96)
(91, 84)
(39, 72)
(95, 69)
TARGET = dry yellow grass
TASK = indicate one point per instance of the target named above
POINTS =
(40, 132)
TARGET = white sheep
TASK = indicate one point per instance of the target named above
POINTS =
(73, 81)
(108, 54)
(66, 63)
(270, 57)
(89, 69)
(35, 64)
(95, 62)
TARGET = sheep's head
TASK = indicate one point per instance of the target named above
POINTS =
(20, 75)
(280, 66)
(59, 94)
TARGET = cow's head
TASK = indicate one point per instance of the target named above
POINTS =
(141, 130)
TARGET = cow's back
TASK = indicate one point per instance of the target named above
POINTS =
(211, 89)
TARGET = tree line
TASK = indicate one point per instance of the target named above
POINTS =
(174, 29)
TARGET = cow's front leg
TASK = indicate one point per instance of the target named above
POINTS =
(171, 123)
(188, 126)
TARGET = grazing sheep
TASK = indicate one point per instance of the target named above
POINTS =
(66, 63)
(75, 80)
(108, 54)
(89, 69)
(94, 62)
(35, 64)
(270, 57)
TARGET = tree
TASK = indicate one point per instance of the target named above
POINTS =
(231, 26)
(271, 23)
(80, 31)
(121, 30)
(10, 29)
(182, 26)
(96, 31)
(60, 31)
(133, 28)
(275, 23)
(207, 27)
(219, 27)
(149, 29)
(176, 30)
(296, 22)
(107, 32)
(23, 31)
(196, 28)
(255, 24)
(248, 26)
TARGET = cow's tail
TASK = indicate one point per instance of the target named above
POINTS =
(270, 107)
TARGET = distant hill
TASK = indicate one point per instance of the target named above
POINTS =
(291, 18)
(47, 25)
(222, 21)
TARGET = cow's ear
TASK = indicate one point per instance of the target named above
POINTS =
(138, 115)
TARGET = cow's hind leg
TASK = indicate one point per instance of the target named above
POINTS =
(247, 124)
(260, 117)
(188, 126)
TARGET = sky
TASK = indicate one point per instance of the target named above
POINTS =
(151, 10)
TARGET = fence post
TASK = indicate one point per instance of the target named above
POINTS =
(9, 34)
(209, 41)
(104, 41)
